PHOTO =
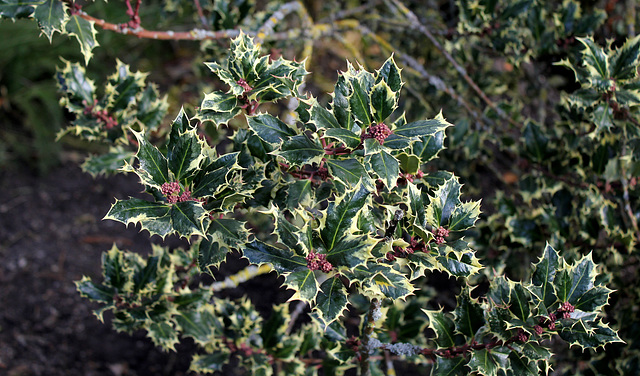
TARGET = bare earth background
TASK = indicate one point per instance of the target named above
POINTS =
(51, 234)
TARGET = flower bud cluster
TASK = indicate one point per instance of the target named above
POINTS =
(318, 261)
(440, 234)
(399, 252)
(244, 85)
(564, 311)
(566, 308)
(173, 195)
(522, 336)
(102, 115)
(378, 131)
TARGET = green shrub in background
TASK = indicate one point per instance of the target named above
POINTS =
(343, 195)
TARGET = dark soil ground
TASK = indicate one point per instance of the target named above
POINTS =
(51, 234)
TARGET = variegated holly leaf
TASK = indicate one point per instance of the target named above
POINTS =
(468, 314)
(446, 209)
(489, 362)
(340, 215)
(592, 334)
(299, 150)
(51, 16)
(543, 276)
(183, 218)
(331, 300)
(270, 129)
(85, 32)
(284, 261)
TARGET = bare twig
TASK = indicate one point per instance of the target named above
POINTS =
(203, 19)
(415, 23)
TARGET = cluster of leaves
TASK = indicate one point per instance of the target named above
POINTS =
(355, 213)
(344, 187)
(526, 28)
(105, 116)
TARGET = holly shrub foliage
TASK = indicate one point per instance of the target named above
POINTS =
(352, 213)
(348, 197)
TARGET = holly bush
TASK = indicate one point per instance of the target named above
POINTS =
(360, 199)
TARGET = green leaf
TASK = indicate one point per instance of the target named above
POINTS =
(340, 215)
(457, 259)
(214, 177)
(532, 350)
(322, 118)
(154, 168)
(544, 274)
(18, 8)
(270, 128)
(304, 283)
(220, 102)
(283, 261)
(488, 362)
(163, 335)
(210, 254)
(417, 207)
(595, 59)
(589, 335)
(382, 100)
(593, 300)
(349, 252)
(300, 193)
(74, 82)
(340, 104)
(359, 102)
(464, 216)
(113, 266)
(185, 154)
(450, 367)
(386, 167)
(230, 233)
(154, 216)
(392, 284)
(107, 163)
(209, 363)
(443, 202)
(331, 300)
(443, 326)
(521, 366)
(51, 17)
(427, 147)
(348, 138)
(189, 218)
(624, 60)
(469, 315)
(85, 33)
(299, 150)
(198, 324)
(535, 141)
(350, 171)
(520, 299)
(390, 73)
(95, 292)
(423, 127)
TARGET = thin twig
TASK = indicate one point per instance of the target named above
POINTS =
(415, 23)
(203, 19)
(625, 193)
